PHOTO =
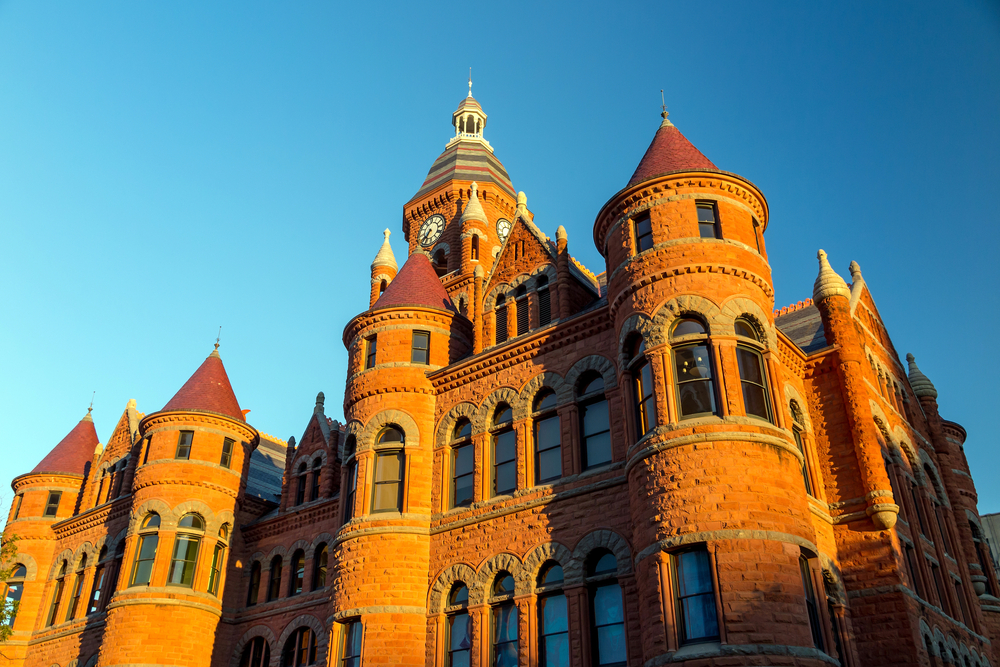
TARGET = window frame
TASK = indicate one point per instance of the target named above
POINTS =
(317, 470)
(371, 351)
(676, 570)
(351, 492)
(500, 335)
(321, 560)
(764, 386)
(183, 446)
(274, 579)
(545, 591)
(52, 505)
(226, 460)
(77, 590)
(692, 340)
(639, 236)
(544, 295)
(19, 574)
(453, 610)
(253, 591)
(57, 596)
(95, 599)
(300, 648)
(461, 443)
(812, 601)
(497, 604)
(297, 575)
(539, 416)
(190, 534)
(150, 532)
(416, 350)
(349, 626)
(585, 402)
(217, 567)
(639, 367)
(716, 226)
(385, 453)
(496, 431)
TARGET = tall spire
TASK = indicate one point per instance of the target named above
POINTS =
(207, 390)
(385, 256)
(669, 151)
(73, 452)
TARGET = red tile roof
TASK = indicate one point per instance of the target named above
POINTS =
(416, 284)
(669, 151)
(208, 390)
(73, 452)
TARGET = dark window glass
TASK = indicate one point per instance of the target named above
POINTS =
(314, 490)
(254, 584)
(812, 607)
(350, 656)
(608, 625)
(352, 488)
(915, 495)
(642, 393)
(596, 431)
(463, 429)
(184, 445)
(145, 555)
(695, 597)
(962, 602)
(17, 505)
(911, 570)
(227, 453)
(77, 591)
(256, 654)
(942, 523)
(797, 434)
(298, 572)
(300, 485)
(371, 348)
(15, 588)
(695, 389)
(503, 584)
(687, 327)
(553, 631)
(754, 384)
(503, 415)
(544, 302)
(459, 594)
(215, 575)
(319, 567)
(190, 521)
(100, 572)
(504, 635)
(602, 563)
(56, 596)
(421, 350)
(545, 400)
(459, 640)
(745, 329)
(387, 496)
(756, 235)
(299, 649)
(504, 462)
(939, 588)
(592, 384)
(475, 247)
(274, 579)
(184, 560)
(551, 574)
(501, 320)
(522, 315)
(643, 233)
(707, 223)
(548, 453)
(462, 475)
(52, 504)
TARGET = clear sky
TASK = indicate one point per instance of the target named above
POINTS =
(166, 168)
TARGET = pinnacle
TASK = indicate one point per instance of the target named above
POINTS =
(474, 209)
(921, 384)
(385, 257)
(828, 282)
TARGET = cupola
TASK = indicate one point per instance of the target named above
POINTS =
(469, 121)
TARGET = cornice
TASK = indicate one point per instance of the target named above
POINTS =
(404, 312)
(96, 516)
(291, 519)
(162, 481)
(214, 418)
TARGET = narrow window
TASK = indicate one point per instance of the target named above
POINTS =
(254, 584)
(752, 377)
(757, 234)
(915, 495)
(17, 506)
(215, 575)
(504, 626)
(114, 569)
(421, 350)
(595, 426)
(319, 567)
(149, 445)
(381, 287)
(911, 570)
(184, 445)
(462, 464)
(52, 504)
(299, 649)
(798, 426)
(298, 572)
(256, 654)
(522, 310)
(459, 640)
(186, 545)
(350, 655)
(812, 607)
(387, 496)
(300, 484)
(100, 572)
(57, 596)
(475, 247)
(695, 597)
(707, 221)
(77, 591)
(501, 319)
(642, 388)
(227, 453)
(352, 488)
(274, 579)
(15, 588)
(607, 615)
(544, 301)
(548, 449)
(371, 347)
(504, 451)
(145, 553)
(643, 233)
(962, 602)
(939, 587)
(693, 369)
(317, 469)
(553, 621)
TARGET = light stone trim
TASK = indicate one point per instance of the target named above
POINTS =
(715, 650)
(31, 567)
(379, 609)
(366, 439)
(604, 539)
(550, 379)
(506, 395)
(381, 530)
(593, 362)
(641, 324)
(552, 551)
(307, 620)
(164, 601)
(457, 572)
(488, 572)
(705, 438)
(253, 633)
(718, 535)
(447, 424)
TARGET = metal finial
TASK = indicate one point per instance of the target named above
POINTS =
(89, 409)
(664, 114)
(470, 82)
(218, 338)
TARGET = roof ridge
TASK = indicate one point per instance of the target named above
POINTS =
(793, 307)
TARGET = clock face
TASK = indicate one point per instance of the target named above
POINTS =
(431, 230)
(503, 229)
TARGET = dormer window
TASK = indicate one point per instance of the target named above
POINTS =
(708, 221)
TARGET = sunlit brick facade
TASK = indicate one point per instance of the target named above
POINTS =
(538, 466)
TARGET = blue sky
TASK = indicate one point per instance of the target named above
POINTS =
(166, 168)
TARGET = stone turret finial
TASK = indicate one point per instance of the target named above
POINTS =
(474, 210)
(857, 285)
(99, 449)
(828, 283)
(320, 400)
(855, 272)
(561, 233)
(385, 256)
(921, 384)
(479, 271)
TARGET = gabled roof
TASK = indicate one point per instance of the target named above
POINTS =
(73, 452)
(208, 390)
(669, 151)
(416, 284)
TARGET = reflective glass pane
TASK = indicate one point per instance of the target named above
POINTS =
(547, 433)
(503, 585)
(387, 468)
(694, 575)
(595, 418)
(505, 447)
(598, 449)
(685, 327)
(608, 605)
(505, 629)
(606, 564)
(550, 464)
(506, 479)
(553, 614)
(597, 384)
(555, 650)
(391, 435)
(750, 367)
(644, 226)
(755, 400)
(463, 489)
(386, 496)
(611, 645)
(463, 459)
(706, 214)
(696, 397)
(459, 595)
(553, 575)
(692, 363)
(503, 415)
(744, 329)
(699, 617)
(707, 230)
(546, 401)
(463, 429)
(460, 632)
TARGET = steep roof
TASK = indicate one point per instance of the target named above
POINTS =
(416, 284)
(669, 151)
(73, 452)
(208, 390)
(466, 161)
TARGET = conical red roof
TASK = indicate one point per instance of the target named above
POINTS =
(669, 151)
(416, 284)
(73, 452)
(208, 390)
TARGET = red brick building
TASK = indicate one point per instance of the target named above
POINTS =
(539, 466)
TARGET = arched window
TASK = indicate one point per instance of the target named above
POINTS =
(462, 463)
(936, 493)
(57, 595)
(300, 485)
(504, 614)
(607, 614)
(77, 590)
(475, 247)
(544, 301)
(548, 450)
(100, 573)
(300, 648)
(459, 640)
(553, 621)
(274, 579)
(753, 376)
(440, 262)
(390, 464)
(256, 654)
(695, 596)
(254, 584)
(798, 427)
(500, 311)
(145, 553)
(504, 451)
(15, 588)
(298, 573)
(317, 469)
(693, 369)
(595, 425)
(218, 561)
(812, 602)
(642, 387)
(186, 546)
(381, 287)
(319, 567)
(350, 446)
